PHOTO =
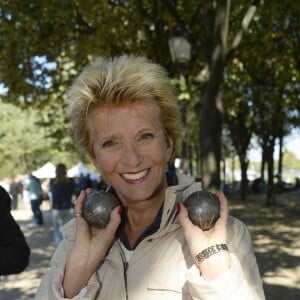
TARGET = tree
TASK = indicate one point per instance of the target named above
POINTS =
(263, 79)
(214, 37)
(238, 121)
(275, 89)
(22, 144)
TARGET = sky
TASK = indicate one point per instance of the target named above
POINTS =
(291, 144)
(294, 146)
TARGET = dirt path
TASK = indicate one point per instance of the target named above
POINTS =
(275, 231)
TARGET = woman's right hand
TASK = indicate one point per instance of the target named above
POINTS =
(90, 247)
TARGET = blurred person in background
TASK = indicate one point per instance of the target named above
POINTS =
(62, 190)
(83, 182)
(35, 194)
(15, 189)
(14, 250)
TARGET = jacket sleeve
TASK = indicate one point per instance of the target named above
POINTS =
(240, 243)
(51, 287)
(14, 250)
(241, 281)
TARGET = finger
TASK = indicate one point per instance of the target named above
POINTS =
(81, 199)
(80, 221)
(114, 221)
(88, 191)
(79, 202)
(223, 207)
(184, 219)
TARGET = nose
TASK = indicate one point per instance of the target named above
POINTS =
(131, 155)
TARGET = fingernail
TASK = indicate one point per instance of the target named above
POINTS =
(120, 209)
(178, 207)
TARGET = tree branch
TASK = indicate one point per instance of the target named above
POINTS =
(244, 26)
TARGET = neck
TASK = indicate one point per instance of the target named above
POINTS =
(139, 219)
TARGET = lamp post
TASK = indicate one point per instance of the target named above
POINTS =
(180, 50)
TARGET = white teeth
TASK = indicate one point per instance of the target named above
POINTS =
(135, 176)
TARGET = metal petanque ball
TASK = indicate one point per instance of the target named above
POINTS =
(98, 206)
(203, 209)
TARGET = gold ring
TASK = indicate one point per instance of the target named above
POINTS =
(77, 215)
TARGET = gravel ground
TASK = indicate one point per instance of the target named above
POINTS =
(275, 231)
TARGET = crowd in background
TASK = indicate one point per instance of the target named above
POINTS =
(17, 187)
(60, 193)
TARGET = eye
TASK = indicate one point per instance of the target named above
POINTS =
(108, 143)
(146, 136)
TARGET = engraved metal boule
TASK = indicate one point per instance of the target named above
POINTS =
(203, 209)
(98, 206)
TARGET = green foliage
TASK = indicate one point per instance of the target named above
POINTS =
(22, 143)
(25, 145)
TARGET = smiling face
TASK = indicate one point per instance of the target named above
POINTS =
(131, 150)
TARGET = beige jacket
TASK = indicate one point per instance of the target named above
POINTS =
(161, 266)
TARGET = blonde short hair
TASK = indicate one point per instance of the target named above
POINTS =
(113, 81)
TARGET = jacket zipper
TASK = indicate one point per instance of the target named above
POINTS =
(125, 277)
(125, 267)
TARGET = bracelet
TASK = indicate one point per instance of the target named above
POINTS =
(206, 253)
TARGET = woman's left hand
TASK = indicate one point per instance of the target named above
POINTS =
(198, 240)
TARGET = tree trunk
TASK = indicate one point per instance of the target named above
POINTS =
(211, 110)
(263, 160)
(244, 162)
(191, 168)
(184, 147)
(279, 175)
(210, 140)
(232, 170)
(270, 200)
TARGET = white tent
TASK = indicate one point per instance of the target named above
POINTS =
(81, 168)
(46, 171)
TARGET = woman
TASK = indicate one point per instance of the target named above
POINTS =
(62, 190)
(123, 112)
